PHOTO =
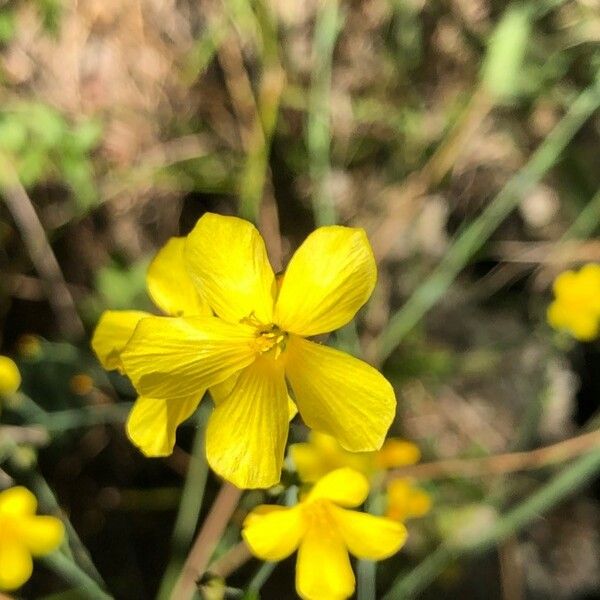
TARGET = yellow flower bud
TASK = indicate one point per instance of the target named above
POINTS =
(10, 377)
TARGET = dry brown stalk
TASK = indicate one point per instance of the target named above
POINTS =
(206, 541)
(502, 463)
(42, 256)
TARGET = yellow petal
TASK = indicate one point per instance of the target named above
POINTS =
(41, 535)
(152, 423)
(345, 487)
(273, 532)
(323, 454)
(179, 357)
(329, 278)
(247, 431)
(308, 462)
(584, 327)
(10, 377)
(222, 390)
(112, 333)
(17, 501)
(16, 565)
(227, 260)
(169, 284)
(340, 395)
(368, 536)
(323, 570)
(397, 453)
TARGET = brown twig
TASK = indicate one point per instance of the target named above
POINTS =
(41, 253)
(206, 542)
(502, 463)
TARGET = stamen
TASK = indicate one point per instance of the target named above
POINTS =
(270, 338)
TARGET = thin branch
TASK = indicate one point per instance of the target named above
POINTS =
(42, 256)
(502, 463)
(195, 565)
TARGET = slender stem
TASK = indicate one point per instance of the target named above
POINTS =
(195, 565)
(189, 507)
(586, 221)
(475, 235)
(318, 127)
(502, 463)
(42, 256)
(260, 577)
(366, 571)
(71, 573)
(75, 547)
(86, 416)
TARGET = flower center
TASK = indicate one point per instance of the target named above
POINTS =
(269, 338)
(319, 516)
(7, 527)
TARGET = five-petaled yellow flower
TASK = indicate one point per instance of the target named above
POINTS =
(23, 535)
(324, 531)
(576, 307)
(251, 348)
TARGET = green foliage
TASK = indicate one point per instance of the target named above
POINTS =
(506, 52)
(7, 25)
(45, 147)
(123, 287)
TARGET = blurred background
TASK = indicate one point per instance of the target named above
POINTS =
(463, 135)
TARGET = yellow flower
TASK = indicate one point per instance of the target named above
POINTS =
(254, 346)
(153, 421)
(10, 377)
(322, 454)
(324, 531)
(23, 535)
(405, 501)
(576, 307)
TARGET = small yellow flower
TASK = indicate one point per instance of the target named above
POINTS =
(324, 531)
(576, 307)
(23, 535)
(10, 377)
(322, 454)
(252, 348)
(405, 501)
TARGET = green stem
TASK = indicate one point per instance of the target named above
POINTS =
(75, 548)
(189, 507)
(260, 578)
(71, 573)
(87, 416)
(318, 127)
(586, 222)
(255, 173)
(475, 235)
